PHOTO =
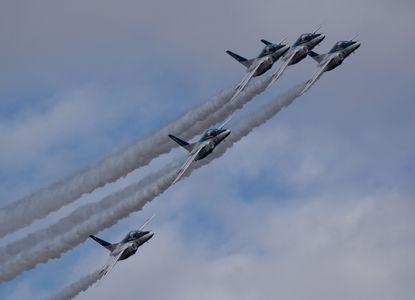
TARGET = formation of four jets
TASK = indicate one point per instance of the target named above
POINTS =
(258, 66)
(211, 138)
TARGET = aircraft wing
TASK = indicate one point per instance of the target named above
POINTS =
(277, 74)
(187, 164)
(246, 79)
(146, 222)
(315, 77)
(113, 259)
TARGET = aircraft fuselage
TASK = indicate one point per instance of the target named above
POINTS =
(210, 143)
(273, 56)
(137, 242)
(338, 57)
(263, 66)
(302, 49)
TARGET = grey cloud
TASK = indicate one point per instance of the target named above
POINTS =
(318, 250)
(370, 124)
(75, 114)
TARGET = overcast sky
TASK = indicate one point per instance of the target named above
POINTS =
(318, 203)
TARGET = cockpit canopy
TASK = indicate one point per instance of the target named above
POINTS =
(211, 133)
(340, 45)
(305, 37)
(208, 134)
(132, 235)
(267, 50)
(270, 49)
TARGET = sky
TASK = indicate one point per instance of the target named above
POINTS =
(317, 203)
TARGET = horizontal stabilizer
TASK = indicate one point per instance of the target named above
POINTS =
(103, 243)
(317, 57)
(184, 144)
(266, 42)
(240, 59)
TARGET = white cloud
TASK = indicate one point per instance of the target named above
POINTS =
(319, 249)
(346, 230)
(209, 243)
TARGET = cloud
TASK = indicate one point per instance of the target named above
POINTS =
(318, 249)
(121, 42)
(320, 244)
(349, 137)
(27, 136)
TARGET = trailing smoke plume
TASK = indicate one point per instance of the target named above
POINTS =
(75, 288)
(79, 215)
(75, 228)
(25, 211)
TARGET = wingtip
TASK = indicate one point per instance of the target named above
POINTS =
(305, 89)
(174, 181)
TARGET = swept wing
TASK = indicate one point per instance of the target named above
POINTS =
(247, 78)
(281, 69)
(113, 259)
(188, 162)
(146, 222)
(316, 76)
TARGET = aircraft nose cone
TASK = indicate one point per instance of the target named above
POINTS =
(148, 236)
(357, 45)
(227, 132)
(321, 37)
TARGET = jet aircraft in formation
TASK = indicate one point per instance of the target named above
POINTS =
(124, 249)
(202, 148)
(297, 52)
(259, 65)
(332, 59)
(213, 137)
(302, 47)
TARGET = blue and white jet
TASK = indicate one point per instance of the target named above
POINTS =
(124, 249)
(332, 59)
(297, 52)
(259, 65)
(202, 148)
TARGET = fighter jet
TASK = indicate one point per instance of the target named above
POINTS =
(259, 65)
(124, 249)
(331, 60)
(297, 52)
(199, 150)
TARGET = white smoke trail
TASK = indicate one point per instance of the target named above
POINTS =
(316, 76)
(25, 211)
(77, 287)
(78, 216)
(74, 229)
(237, 133)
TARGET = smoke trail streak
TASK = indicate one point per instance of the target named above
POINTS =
(77, 287)
(25, 211)
(73, 230)
(81, 214)
(237, 133)
(316, 77)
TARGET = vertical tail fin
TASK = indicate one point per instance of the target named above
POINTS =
(266, 42)
(317, 57)
(184, 144)
(240, 59)
(103, 243)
